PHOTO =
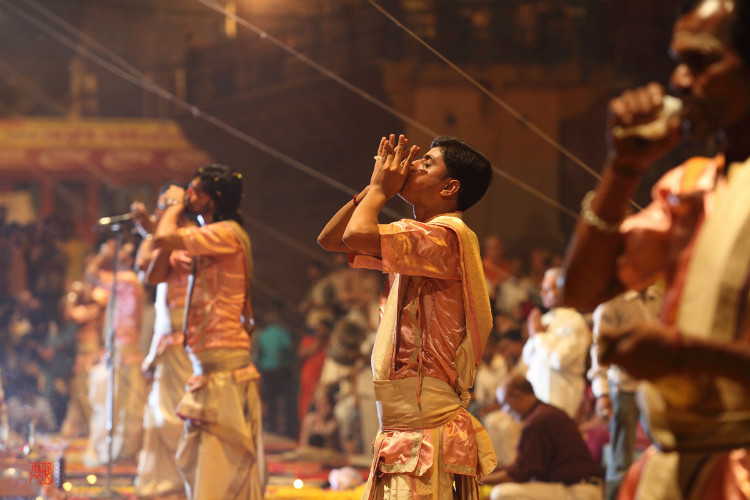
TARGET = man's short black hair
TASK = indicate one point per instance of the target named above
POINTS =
(224, 186)
(739, 26)
(519, 383)
(467, 165)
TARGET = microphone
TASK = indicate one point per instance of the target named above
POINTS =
(115, 219)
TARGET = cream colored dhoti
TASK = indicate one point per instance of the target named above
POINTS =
(221, 452)
(127, 418)
(424, 446)
(157, 467)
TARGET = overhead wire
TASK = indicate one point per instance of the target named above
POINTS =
(523, 120)
(264, 35)
(136, 77)
(146, 84)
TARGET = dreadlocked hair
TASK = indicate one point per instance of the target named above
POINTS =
(224, 186)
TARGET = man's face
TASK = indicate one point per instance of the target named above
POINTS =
(126, 254)
(510, 400)
(197, 200)
(549, 291)
(427, 178)
(493, 247)
(710, 77)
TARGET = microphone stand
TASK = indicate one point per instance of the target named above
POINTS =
(109, 356)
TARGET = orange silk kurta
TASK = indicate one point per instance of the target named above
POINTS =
(215, 316)
(431, 321)
(127, 316)
(179, 269)
(659, 239)
(430, 326)
(695, 233)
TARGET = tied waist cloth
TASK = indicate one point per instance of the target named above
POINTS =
(214, 370)
(437, 431)
(221, 407)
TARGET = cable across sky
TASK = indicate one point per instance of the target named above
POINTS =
(125, 70)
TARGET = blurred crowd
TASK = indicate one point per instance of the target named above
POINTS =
(314, 362)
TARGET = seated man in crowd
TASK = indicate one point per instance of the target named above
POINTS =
(552, 462)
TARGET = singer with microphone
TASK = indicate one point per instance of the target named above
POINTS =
(695, 234)
(166, 363)
(220, 454)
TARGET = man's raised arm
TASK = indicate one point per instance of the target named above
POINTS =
(166, 237)
(590, 269)
(332, 236)
(388, 178)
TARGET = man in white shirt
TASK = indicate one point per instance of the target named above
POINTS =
(556, 350)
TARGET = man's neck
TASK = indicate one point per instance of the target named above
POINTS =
(736, 142)
(531, 407)
(207, 219)
(424, 214)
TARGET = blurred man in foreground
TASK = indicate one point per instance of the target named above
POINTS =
(696, 233)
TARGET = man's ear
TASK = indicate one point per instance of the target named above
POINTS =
(450, 188)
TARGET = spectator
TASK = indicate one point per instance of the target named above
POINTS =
(612, 386)
(312, 354)
(275, 354)
(339, 372)
(555, 353)
(552, 460)
(29, 408)
(318, 302)
(320, 427)
(492, 370)
(496, 267)
(515, 294)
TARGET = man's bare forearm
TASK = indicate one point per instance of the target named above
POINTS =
(158, 269)
(332, 235)
(166, 236)
(145, 254)
(590, 270)
(730, 360)
(362, 234)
